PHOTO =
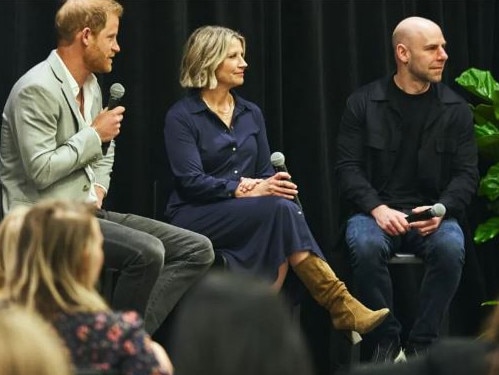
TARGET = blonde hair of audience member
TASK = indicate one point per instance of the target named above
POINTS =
(59, 259)
(204, 52)
(58, 263)
(29, 346)
(9, 237)
(77, 15)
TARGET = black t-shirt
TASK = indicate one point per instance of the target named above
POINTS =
(401, 190)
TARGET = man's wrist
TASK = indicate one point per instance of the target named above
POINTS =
(96, 133)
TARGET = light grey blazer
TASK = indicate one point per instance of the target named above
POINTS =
(45, 146)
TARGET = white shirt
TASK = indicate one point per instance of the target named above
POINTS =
(89, 88)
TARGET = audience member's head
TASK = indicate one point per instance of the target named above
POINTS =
(233, 324)
(9, 237)
(491, 332)
(29, 346)
(59, 259)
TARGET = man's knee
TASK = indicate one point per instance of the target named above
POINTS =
(448, 255)
(130, 246)
(202, 250)
(367, 249)
(152, 250)
(447, 245)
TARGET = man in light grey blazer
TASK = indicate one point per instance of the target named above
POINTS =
(52, 137)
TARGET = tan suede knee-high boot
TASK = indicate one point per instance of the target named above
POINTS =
(346, 312)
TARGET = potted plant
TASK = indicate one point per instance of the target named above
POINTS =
(485, 90)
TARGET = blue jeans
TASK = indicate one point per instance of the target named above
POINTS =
(443, 256)
(158, 262)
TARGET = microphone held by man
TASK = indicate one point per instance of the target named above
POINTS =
(278, 162)
(437, 210)
(116, 92)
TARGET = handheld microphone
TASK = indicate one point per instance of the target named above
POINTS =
(116, 92)
(437, 210)
(277, 159)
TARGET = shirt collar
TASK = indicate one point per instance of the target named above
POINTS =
(196, 105)
(88, 86)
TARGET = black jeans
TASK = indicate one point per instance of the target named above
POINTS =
(157, 261)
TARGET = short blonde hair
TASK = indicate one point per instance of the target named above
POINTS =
(49, 274)
(74, 15)
(9, 237)
(204, 51)
(29, 345)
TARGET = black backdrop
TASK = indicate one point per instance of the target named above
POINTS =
(305, 57)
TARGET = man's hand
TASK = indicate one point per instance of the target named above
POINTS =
(391, 221)
(107, 123)
(425, 227)
(101, 193)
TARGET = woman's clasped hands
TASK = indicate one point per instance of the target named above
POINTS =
(279, 185)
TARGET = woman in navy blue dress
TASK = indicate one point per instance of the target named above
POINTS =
(226, 187)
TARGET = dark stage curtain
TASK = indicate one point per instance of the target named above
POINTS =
(305, 57)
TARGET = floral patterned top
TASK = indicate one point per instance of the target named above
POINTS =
(108, 340)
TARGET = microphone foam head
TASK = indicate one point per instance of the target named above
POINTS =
(116, 90)
(277, 159)
(438, 210)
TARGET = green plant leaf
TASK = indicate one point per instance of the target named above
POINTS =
(485, 114)
(486, 132)
(489, 184)
(479, 83)
(485, 128)
(489, 303)
(487, 231)
(488, 146)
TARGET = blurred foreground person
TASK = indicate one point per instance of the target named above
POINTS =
(58, 262)
(235, 324)
(29, 345)
(10, 226)
(450, 356)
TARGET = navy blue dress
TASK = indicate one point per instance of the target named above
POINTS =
(207, 160)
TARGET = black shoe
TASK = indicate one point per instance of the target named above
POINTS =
(414, 349)
(386, 351)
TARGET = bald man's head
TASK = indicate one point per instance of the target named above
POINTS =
(410, 28)
(419, 51)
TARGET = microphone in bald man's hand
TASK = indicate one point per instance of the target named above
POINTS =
(116, 92)
(277, 159)
(437, 210)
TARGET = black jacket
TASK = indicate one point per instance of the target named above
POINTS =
(369, 144)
